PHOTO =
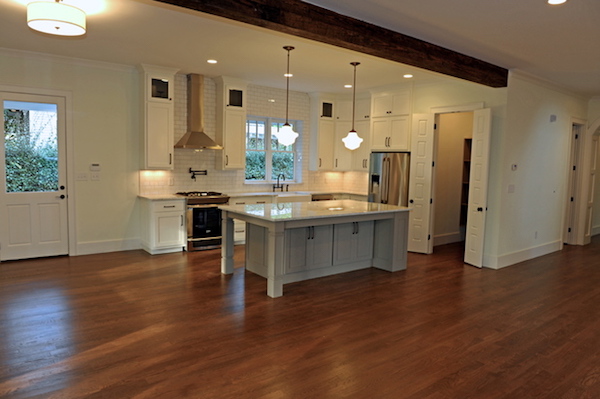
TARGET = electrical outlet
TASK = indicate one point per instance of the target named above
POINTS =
(95, 176)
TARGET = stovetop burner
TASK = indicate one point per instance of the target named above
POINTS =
(200, 193)
(204, 197)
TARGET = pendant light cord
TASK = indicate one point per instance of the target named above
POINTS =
(287, 91)
(354, 94)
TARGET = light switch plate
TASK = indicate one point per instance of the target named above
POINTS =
(95, 176)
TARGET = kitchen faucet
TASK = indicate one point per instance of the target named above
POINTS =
(278, 185)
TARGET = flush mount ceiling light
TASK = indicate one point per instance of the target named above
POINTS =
(286, 135)
(556, 2)
(56, 18)
(352, 141)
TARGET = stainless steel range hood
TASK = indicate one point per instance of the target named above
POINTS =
(195, 138)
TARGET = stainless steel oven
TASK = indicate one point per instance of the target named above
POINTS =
(203, 219)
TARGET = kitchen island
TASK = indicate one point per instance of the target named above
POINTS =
(295, 241)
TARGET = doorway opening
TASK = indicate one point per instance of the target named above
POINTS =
(452, 155)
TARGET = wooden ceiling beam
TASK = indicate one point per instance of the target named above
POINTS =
(306, 20)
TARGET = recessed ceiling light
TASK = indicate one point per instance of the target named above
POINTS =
(556, 2)
(288, 75)
(348, 86)
(211, 61)
(408, 76)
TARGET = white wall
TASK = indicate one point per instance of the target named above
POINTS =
(536, 138)
(104, 130)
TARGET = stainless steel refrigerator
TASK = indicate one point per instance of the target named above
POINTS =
(388, 177)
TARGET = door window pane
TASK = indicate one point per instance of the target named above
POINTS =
(31, 146)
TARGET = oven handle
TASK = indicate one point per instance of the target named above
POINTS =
(190, 239)
(203, 206)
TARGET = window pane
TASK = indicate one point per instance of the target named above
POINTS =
(31, 146)
(255, 135)
(283, 162)
(255, 165)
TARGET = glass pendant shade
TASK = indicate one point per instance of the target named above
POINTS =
(352, 141)
(56, 18)
(286, 135)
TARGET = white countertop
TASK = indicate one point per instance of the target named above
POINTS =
(287, 211)
(162, 197)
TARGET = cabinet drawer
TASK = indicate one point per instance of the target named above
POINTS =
(250, 200)
(168, 206)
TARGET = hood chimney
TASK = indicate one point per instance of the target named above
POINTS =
(195, 138)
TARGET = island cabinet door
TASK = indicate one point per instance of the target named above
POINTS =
(308, 248)
(353, 242)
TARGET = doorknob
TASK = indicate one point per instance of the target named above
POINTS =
(62, 196)
(412, 201)
(480, 209)
(62, 187)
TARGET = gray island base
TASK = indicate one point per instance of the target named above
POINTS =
(296, 241)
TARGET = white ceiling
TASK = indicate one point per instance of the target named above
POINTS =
(553, 43)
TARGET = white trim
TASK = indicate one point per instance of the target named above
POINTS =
(448, 238)
(65, 60)
(595, 230)
(499, 262)
(97, 247)
(518, 74)
(68, 96)
(457, 108)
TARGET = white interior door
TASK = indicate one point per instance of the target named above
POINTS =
(420, 184)
(478, 185)
(590, 197)
(570, 230)
(33, 205)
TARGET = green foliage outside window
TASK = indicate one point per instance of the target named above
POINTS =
(266, 158)
(31, 159)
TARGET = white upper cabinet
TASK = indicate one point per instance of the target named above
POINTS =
(390, 104)
(322, 128)
(157, 116)
(231, 123)
(390, 121)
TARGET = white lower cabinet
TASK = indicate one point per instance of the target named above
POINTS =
(308, 248)
(163, 226)
(353, 242)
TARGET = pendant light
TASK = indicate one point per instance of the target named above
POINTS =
(286, 135)
(56, 18)
(352, 141)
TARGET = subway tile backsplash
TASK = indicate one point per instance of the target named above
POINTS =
(261, 101)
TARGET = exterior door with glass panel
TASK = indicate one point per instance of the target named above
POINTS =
(33, 205)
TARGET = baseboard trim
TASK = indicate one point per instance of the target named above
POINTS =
(447, 238)
(595, 230)
(513, 258)
(98, 247)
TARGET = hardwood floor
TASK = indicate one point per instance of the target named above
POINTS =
(131, 325)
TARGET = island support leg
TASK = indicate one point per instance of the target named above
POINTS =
(227, 244)
(390, 246)
(275, 254)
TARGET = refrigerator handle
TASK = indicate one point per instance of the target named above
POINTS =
(385, 183)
